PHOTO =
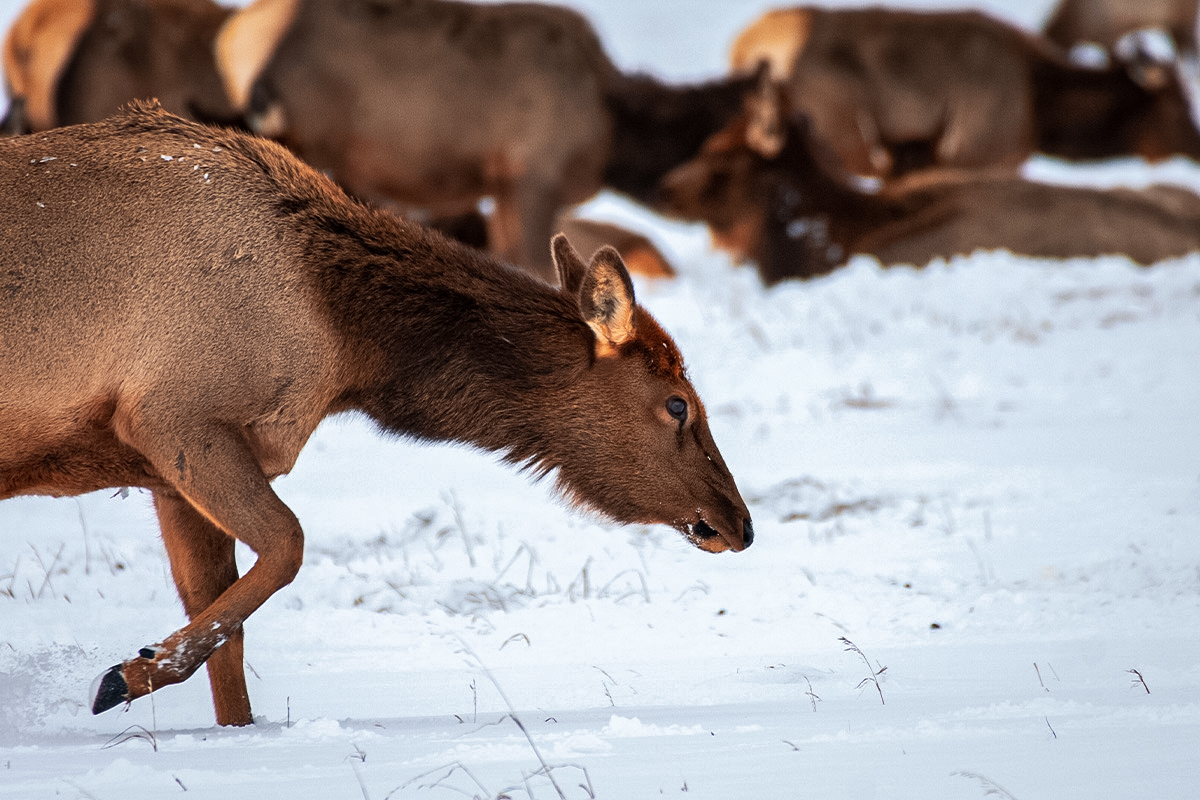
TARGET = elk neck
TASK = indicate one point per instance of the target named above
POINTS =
(658, 126)
(444, 343)
(810, 182)
(1086, 113)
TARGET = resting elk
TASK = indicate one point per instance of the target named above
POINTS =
(71, 61)
(184, 304)
(435, 105)
(773, 192)
(895, 91)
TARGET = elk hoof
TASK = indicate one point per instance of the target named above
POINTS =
(109, 690)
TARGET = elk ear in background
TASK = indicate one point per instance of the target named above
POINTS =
(765, 133)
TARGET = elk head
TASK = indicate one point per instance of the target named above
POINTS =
(639, 445)
(761, 185)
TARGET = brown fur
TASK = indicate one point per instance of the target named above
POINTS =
(1103, 22)
(100, 54)
(437, 104)
(797, 214)
(182, 306)
(1137, 107)
(658, 126)
(896, 91)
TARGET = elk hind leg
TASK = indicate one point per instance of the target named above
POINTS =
(217, 475)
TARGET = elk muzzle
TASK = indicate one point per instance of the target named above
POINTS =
(708, 538)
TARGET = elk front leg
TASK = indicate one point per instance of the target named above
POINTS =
(203, 565)
(215, 473)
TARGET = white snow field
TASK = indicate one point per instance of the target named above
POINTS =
(976, 494)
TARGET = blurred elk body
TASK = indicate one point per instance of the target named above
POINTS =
(896, 91)
(436, 104)
(72, 61)
(771, 191)
(1104, 22)
(183, 305)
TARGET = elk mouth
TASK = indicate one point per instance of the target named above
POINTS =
(708, 538)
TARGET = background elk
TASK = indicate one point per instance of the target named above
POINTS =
(773, 192)
(1134, 105)
(895, 91)
(1105, 22)
(71, 61)
(438, 104)
(183, 305)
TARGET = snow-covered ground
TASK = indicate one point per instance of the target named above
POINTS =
(976, 492)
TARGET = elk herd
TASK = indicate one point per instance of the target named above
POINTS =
(224, 224)
(936, 110)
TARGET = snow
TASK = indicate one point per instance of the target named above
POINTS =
(982, 475)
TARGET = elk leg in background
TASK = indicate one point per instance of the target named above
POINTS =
(522, 220)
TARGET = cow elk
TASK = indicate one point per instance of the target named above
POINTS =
(184, 304)
(72, 61)
(896, 91)
(436, 105)
(772, 192)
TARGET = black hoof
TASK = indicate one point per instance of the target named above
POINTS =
(110, 691)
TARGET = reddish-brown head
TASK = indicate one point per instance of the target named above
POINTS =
(640, 447)
(723, 187)
(766, 188)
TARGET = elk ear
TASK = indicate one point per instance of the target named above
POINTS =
(570, 266)
(606, 300)
(764, 130)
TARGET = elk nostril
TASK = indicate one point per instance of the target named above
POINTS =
(747, 532)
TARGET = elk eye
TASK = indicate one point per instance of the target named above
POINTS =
(677, 407)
